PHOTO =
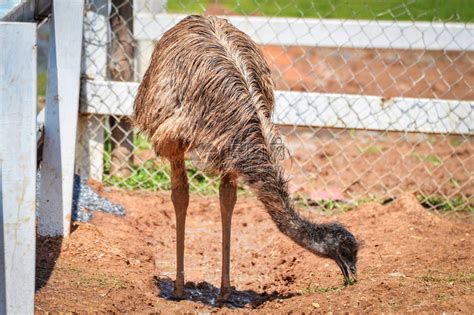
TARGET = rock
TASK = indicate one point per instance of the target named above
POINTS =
(397, 274)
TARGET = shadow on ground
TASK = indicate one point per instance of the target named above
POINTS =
(206, 293)
(47, 252)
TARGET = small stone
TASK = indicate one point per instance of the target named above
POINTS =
(315, 305)
(397, 274)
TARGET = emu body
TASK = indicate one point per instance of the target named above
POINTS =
(208, 88)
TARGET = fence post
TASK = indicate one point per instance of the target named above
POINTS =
(90, 137)
(62, 101)
(17, 167)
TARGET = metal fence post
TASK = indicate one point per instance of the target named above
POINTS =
(62, 101)
(18, 167)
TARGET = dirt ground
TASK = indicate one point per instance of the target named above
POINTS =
(413, 260)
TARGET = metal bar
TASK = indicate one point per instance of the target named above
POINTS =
(62, 101)
(329, 32)
(18, 155)
(318, 109)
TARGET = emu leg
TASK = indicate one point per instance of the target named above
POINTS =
(180, 198)
(228, 197)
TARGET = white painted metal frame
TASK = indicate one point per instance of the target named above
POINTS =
(62, 101)
(329, 32)
(318, 109)
(17, 167)
(24, 10)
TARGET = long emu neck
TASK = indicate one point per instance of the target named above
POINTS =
(256, 160)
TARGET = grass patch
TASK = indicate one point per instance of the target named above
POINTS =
(148, 176)
(446, 205)
(141, 142)
(324, 206)
(329, 206)
(370, 150)
(456, 141)
(318, 289)
(433, 159)
(352, 134)
(454, 182)
(102, 281)
(408, 10)
(70, 269)
(457, 278)
(155, 175)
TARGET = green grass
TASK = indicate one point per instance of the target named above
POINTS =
(455, 278)
(140, 142)
(420, 10)
(433, 159)
(318, 289)
(154, 174)
(446, 205)
(370, 150)
(432, 202)
(456, 141)
(331, 207)
(102, 281)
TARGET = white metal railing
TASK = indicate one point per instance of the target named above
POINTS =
(317, 109)
(329, 32)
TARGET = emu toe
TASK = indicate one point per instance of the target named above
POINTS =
(178, 295)
(224, 295)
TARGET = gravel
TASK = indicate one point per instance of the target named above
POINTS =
(86, 201)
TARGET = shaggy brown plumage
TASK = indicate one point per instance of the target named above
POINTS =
(208, 88)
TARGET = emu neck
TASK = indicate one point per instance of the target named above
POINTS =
(303, 232)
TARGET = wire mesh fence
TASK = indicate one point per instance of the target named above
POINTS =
(372, 99)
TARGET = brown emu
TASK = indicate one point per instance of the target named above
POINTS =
(208, 88)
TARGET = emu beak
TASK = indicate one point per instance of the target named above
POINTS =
(347, 272)
(354, 273)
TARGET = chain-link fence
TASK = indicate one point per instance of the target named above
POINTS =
(372, 98)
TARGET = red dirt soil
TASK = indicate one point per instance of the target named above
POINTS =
(413, 260)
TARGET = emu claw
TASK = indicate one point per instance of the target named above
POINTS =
(178, 295)
(224, 295)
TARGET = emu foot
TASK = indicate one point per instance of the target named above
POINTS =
(178, 294)
(225, 294)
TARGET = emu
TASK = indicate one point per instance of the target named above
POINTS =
(208, 88)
